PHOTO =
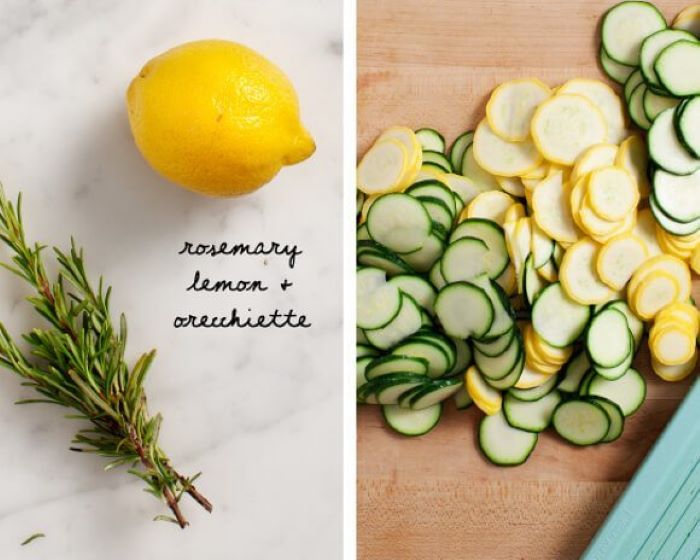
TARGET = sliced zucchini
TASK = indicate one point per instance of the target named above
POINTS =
(628, 392)
(497, 367)
(464, 310)
(635, 107)
(533, 283)
(463, 187)
(433, 189)
(688, 125)
(360, 369)
(409, 422)
(619, 370)
(534, 393)
(463, 357)
(624, 28)
(378, 303)
(666, 150)
(511, 378)
(678, 68)
(607, 338)
(437, 158)
(407, 321)
(434, 354)
(670, 225)
(678, 196)
(431, 139)
(655, 104)
(635, 324)
(574, 372)
(496, 346)
(462, 399)
(418, 288)
(425, 257)
(502, 315)
(372, 254)
(491, 234)
(581, 422)
(385, 365)
(634, 79)
(399, 222)
(388, 388)
(531, 416)
(434, 392)
(471, 169)
(363, 350)
(617, 419)
(605, 99)
(557, 318)
(615, 71)
(459, 146)
(464, 260)
(502, 444)
(652, 47)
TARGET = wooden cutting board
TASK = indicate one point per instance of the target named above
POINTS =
(433, 63)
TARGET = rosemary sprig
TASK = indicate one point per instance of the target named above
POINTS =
(77, 362)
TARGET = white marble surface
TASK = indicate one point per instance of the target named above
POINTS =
(259, 412)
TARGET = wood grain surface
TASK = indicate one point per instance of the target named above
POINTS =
(434, 63)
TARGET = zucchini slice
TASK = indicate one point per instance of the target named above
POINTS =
(431, 139)
(607, 338)
(497, 367)
(432, 353)
(614, 70)
(634, 79)
(628, 392)
(418, 288)
(534, 393)
(617, 419)
(635, 107)
(464, 310)
(565, 125)
(625, 26)
(581, 422)
(372, 254)
(437, 158)
(385, 365)
(669, 224)
(496, 346)
(655, 104)
(464, 260)
(502, 444)
(409, 422)
(575, 370)
(459, 146)
(434, 392)
(558, 319)
(652, 47)
(634, 323)
(666, 149)
(407, 321)
(400, 222)
(688, 125)
(531, 416)
(463, 187)
(378, 303)
(471, 169)
(678, 68)
(462, 399)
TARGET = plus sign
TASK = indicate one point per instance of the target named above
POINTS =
(286, 284)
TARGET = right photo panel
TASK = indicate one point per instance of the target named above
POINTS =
(528, 251)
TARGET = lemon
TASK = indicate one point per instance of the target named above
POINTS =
(216, 117)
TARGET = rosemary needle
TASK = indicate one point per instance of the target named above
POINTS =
(77, 361)
(33, 537)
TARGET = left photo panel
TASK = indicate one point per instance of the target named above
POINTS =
(171, 169)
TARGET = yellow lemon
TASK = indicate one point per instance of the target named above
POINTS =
(216, 117)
